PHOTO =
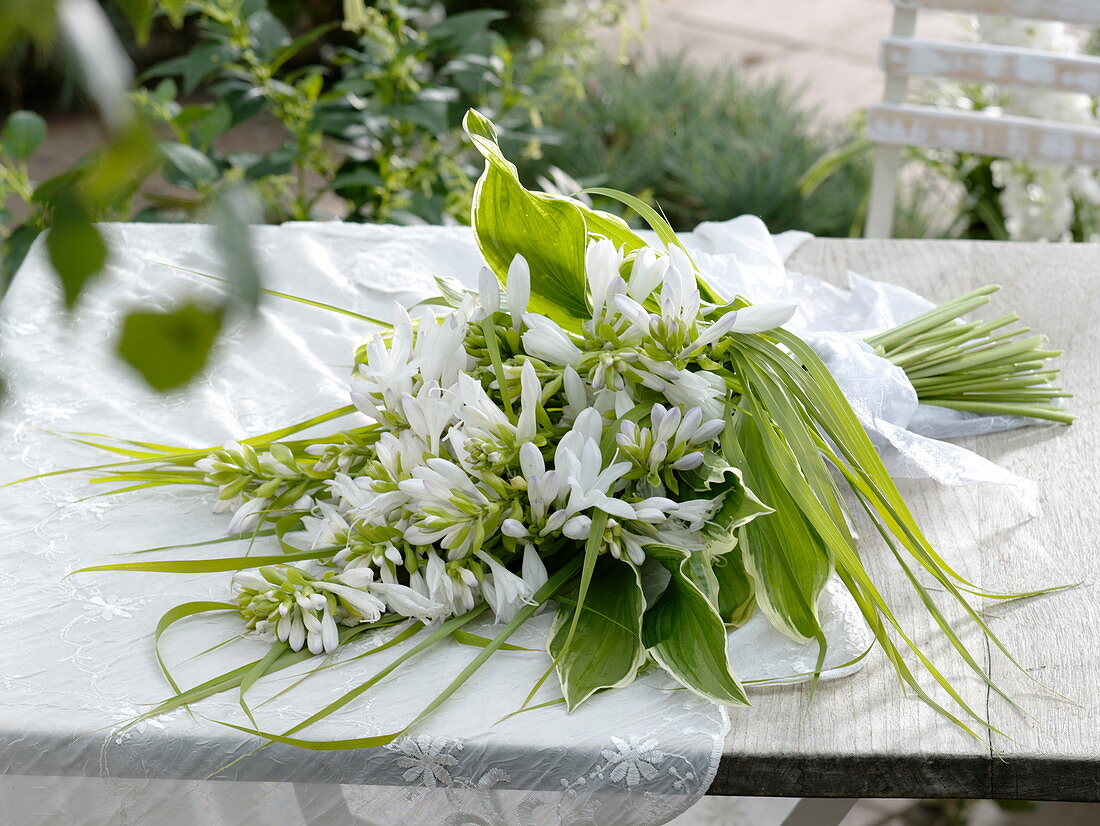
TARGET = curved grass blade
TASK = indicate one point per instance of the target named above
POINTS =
(205, 566)
(276, 294)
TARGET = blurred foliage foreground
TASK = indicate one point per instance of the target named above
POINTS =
(368, 101)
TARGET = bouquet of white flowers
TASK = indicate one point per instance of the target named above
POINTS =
(593, 428)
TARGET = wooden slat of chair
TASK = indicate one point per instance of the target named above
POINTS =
(1030, 68)
(1006, 136)
(893, 124)
(1066, 11)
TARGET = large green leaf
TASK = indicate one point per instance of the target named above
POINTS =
(605, 650)
(548, 231)
(685, 635)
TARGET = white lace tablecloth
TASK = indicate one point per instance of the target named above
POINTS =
(78, 657)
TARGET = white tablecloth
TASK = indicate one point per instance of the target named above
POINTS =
(78, 657)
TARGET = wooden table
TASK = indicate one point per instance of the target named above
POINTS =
(863, 737)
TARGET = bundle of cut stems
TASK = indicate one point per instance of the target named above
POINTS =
(980, 367)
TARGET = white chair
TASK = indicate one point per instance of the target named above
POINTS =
(894, 123)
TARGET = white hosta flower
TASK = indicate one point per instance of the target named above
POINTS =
(530, 403)
(534, 570)
(755, 318)
(439, 352)
(386, 376)
(284, 602)
(675, 440)
(368, 599)
(646, 273)
(602, 260)
(544, 491)
(518, 289)
(328, 529)
(429, 413)
(248, 516)
(488, 289)
(455, 589)
(487, 439)
(580, 463)
(576, 395)
(617, 540)
(448, 507)
(695, 513)
(699, 388)
(547, 341)
(505, 592)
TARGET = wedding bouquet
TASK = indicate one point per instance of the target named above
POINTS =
(593, 431)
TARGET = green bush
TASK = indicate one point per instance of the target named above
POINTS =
(705, 144)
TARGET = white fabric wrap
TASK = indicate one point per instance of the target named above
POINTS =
(78, 658)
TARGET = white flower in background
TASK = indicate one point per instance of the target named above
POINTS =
(1040, 200)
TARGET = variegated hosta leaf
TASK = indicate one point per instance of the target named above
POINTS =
(739, 504)
(736, 589)
(606, 649)
(546, 230)
(685, 635)
(782, 553)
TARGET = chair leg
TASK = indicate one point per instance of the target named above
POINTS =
(820, 811)
(884, 187)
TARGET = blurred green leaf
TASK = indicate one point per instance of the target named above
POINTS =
(453, 31)
(216, 122)
(36, 21)
(202, 61)
(129, 158)
(361, 176)
(169, 347)
(23, 133)
(267, 34)
(18, 244)
(140, 15)
(236, 210)
(187, 166)
(175, 9)
(301, 42)
(76, 249)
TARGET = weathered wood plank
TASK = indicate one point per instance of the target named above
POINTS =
(1004, 136)
(862, 736)
(986, 63)
(1068, 11)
